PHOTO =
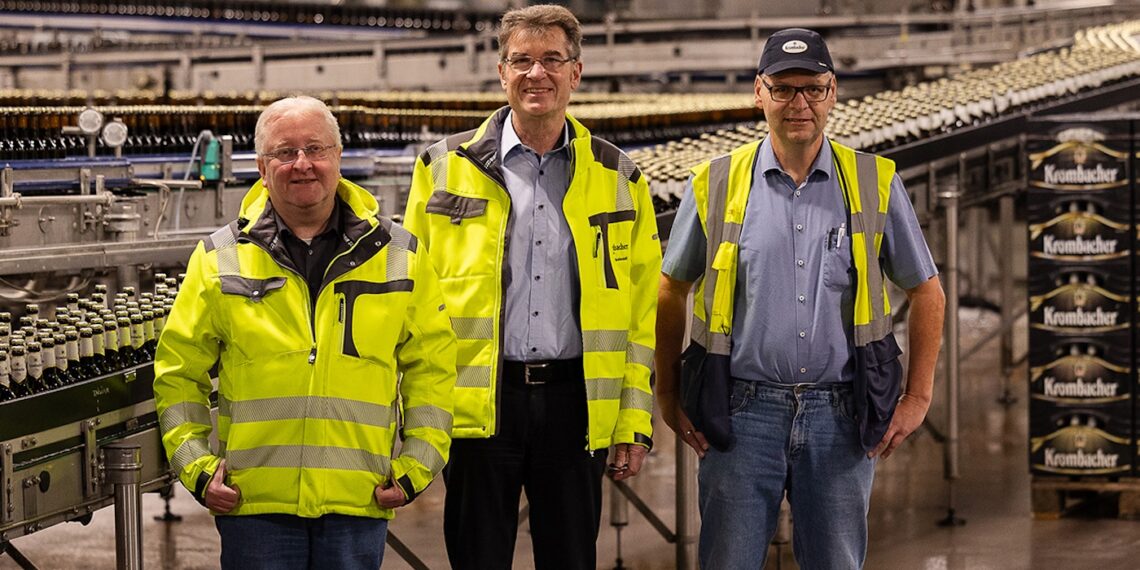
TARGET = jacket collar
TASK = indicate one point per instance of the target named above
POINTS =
(484, 144)
(358, 211)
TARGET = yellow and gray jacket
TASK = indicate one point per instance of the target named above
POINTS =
(460, 207)
(720, 190)
(309, 400)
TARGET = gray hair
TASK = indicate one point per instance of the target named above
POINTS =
(536, 20)
(295, 104)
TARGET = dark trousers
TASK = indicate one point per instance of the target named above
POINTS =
(540, 448)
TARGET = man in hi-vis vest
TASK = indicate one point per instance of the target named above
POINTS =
(546, 245)
(792, 380)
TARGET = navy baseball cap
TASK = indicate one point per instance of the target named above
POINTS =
(795, 48)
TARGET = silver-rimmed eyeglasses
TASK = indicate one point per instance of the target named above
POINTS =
(551, 63)
(289, 155)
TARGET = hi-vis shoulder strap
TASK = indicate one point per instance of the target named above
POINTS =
(867, 201)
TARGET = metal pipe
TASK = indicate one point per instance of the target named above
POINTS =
(686, 490)
(19, 201)
(1005, 214)
(169, 183)
(949, 201)
(124, 465)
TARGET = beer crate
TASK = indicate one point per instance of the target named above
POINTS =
(1078, 156)
(1064, 228)
(1068, 370)
(1081, 441)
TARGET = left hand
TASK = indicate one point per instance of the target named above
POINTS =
(628, 458)
(909, 414)
(389, 497)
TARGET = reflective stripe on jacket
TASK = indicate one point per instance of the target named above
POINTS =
(460, 207)
(721, 187)
(308, 404)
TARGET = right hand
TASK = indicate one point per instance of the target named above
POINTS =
(676, 419)
(220, 497)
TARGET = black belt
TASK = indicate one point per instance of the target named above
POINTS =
(544, 372)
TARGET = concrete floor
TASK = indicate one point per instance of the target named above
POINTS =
(910, 496)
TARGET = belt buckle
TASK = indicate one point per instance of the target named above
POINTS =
(526, 373)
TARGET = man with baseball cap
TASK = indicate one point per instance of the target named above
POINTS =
(792, 382)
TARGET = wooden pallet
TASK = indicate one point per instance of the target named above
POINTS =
(1053, 498)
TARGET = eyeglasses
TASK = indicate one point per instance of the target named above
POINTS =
(550, 63)
(289, 155)
(785, 93)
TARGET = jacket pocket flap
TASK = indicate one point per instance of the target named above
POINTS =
(250, 288)
(455, 207)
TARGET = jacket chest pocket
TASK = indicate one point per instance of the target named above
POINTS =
(612, 233)
(372, 315)
(456, 208)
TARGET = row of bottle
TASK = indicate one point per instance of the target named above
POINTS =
(256, 12)
(88, 338)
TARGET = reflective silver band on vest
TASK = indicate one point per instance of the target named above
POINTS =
(632, 398)
(473, 328)
(624, 199)
(438, 154)
(869, 221)
(603, 388)
(308, 457)
(398, 253)
(225, 244)
(423, 452)
(605, 340)
(428, 416)
(472, 376)
(223, 406)
(719, 170)
(184, 413)
(639, 354)
(190, 451)
(311, 407)
(713, 343)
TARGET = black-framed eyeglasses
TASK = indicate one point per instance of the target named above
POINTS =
(524, 63)
(785, 93)
(289, 155)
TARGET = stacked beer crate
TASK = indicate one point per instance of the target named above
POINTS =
(1081, 290)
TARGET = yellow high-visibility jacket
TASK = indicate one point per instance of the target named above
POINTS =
(309, 402)
(460, 207)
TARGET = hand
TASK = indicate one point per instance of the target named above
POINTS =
(908, 416)
(220, 497)
(389, 496)
(628, 458)
(676, 419)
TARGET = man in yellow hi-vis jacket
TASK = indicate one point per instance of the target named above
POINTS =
(310, 305)
(546, 245)
(792, 381)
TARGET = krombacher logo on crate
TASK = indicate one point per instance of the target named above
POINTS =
(1078, 304)
(1079, 232)
(1081, 446)
(1082, 158)
(1080, 376)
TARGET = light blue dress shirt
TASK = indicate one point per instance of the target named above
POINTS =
(541, 321)
(793, 317)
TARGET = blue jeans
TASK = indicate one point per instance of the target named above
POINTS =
(802, 439)
(287, 542)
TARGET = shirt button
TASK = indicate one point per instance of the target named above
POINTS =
(797, 192)
(539, 242)
(803, 370)
(799, 227)
(800, 262)
(537, 277)
(352, 264)
(540, 206)
(533, 349)
(310, 252)
(803, 334)
(541, 172)
(536, 313)
(802, 298)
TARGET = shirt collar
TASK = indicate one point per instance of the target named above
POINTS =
(335, 226)
(510, 139)
(824, 165)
